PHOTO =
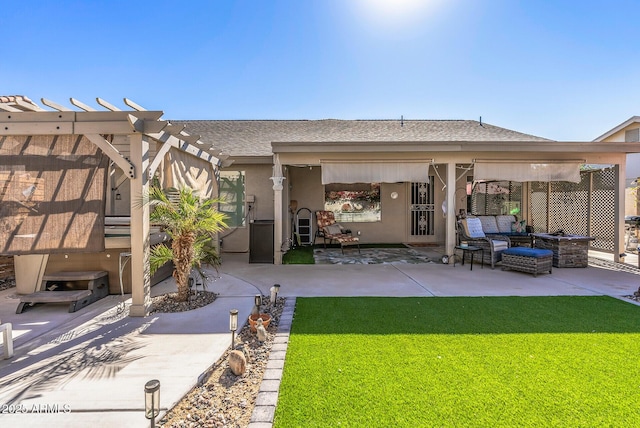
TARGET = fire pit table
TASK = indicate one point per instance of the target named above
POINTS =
(568, 250)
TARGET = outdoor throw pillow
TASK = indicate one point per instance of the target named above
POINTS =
(489, 224)
(333, 229)
(519, 226)
(473, 227)
(505, 223)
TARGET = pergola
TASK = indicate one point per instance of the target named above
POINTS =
(136, 142)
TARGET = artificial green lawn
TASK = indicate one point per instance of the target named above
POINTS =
(299, 256)
(462, 362)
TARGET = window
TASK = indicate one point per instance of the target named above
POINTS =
(232, 187)
(359, 202)
(632, 135)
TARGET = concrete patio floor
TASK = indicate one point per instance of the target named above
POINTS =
(89, 368)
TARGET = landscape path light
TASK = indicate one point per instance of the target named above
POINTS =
(274, 294)
(233, 325)
(257, 300)
(152, 400)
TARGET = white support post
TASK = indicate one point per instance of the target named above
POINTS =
(619, 210)
(140, 274)
(277, 208)
(277, 201)
(450, 206)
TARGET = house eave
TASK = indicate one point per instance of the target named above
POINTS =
(456, 146)
(618, 128)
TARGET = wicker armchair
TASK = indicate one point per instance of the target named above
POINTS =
(470, 231)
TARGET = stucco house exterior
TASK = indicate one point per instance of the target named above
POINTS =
(389, 181)
(629, 132)
(423, 170)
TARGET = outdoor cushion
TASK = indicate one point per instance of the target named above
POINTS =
(325, 218)
(489, 224)
(519, 226)
(473, 227)
(504, 223)
(333, 229)
(528, 252)
(499, 245)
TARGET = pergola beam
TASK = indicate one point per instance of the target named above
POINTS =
(133, 105)
(27, 106)
(8, 107)
(81, 105)
(146, 126)
(165, 137)
(53, 105)
(175, 129)
(189, 139)
(159, 156)
(107, 105)
(113, 154)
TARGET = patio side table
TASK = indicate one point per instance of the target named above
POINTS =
(469, 249)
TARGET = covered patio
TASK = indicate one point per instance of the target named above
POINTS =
(538, 167)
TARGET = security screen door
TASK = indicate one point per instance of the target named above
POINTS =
(421, 211)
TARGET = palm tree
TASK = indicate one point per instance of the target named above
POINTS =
(191, 223)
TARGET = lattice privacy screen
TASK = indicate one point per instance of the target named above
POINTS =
(497, 197)
(585, 208)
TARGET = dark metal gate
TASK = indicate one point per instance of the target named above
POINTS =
(422, 208)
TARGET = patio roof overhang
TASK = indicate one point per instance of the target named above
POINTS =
(575, 147)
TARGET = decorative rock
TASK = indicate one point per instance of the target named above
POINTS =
(237, 363)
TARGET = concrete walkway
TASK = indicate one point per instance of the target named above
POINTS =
(89, 368)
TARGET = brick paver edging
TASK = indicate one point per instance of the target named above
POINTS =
(265, 409)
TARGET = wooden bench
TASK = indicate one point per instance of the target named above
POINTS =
(97, 288)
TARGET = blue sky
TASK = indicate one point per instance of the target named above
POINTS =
(566, 70)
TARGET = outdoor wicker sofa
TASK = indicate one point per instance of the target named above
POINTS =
(470, 231)
(508, 225)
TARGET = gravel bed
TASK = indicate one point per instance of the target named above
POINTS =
(166, 303)
(6, 283)
(223, 399)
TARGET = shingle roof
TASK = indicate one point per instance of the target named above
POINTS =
(254, 137)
